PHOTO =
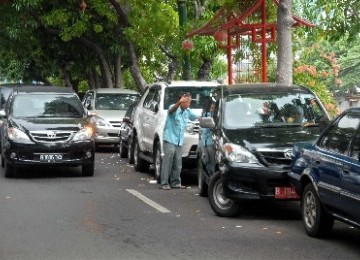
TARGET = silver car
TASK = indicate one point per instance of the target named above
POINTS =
(109, 106)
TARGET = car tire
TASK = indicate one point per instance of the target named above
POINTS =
(140, 164)
(2, 162)
(157, 162)
(202, 185)
(221, 205)
(316, 220)
(88, 170)
(10, 170)
(130, 152)
(122, 149)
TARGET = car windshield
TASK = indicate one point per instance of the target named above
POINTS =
(47, 105)
(198, 95)
(271, 110)
(114, 101)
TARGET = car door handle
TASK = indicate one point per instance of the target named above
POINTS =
(346, 169)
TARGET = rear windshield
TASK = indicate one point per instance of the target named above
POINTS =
(115, 101)
(242, 111)
(198, 95)
(47, 105)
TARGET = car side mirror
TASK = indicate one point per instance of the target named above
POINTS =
(207, 122)
(90, 113)
(126, 120)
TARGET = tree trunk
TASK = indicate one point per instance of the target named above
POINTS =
(135, 68)
(118, 74)
(204, 71)
(105, 68)
(285, 21)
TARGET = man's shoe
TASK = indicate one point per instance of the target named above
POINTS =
(179, 187)
(165, 187)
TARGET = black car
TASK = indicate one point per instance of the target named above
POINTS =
(253, 130)
(126, 130)
(327, 175)
(46, 126)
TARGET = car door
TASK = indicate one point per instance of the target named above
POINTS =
(144, 118)
(329, 160)
(350, 193)
(150, 117)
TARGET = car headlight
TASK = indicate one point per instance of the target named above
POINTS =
(99, 121)
(238, 154)
(18, 136)
(192, 127)
(84, 134)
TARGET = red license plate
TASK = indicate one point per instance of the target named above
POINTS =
(286, 193)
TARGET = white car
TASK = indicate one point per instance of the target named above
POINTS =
(109, 106)
(149, 120)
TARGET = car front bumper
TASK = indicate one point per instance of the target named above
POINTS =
(61, 154)
(249, 182)
(107, 135)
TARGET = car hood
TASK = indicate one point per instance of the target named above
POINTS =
(43, 124)
(271, 138)
(111, 115)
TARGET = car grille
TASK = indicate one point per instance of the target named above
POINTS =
(115, 123)
(51, 136)
(280, 157)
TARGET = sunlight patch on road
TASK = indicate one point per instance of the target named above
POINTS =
(148, 201)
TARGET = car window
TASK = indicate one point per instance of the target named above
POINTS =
(198, 95)
(148, 103)
(338, 138)
(46, 105)
(249, 110)
(114, 101)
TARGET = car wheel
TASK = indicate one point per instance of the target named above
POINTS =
(88, 170)
(140, 164)
(10, 170)
(222, 206)
(2, 162)
(316, 220)
(157, 162)
(130, 152)
(122, 149)
(202, 185)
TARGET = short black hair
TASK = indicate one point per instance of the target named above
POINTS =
(186, 94)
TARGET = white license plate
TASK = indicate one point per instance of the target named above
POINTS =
(50, 157)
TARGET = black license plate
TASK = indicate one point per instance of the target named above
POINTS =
(50, 157)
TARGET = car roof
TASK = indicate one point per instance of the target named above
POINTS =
(263, 88)
(191, 83)
(115, 90)
(45, 89)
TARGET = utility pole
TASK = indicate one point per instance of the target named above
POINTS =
(182, 21)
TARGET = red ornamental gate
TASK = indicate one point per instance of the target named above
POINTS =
(248, 19)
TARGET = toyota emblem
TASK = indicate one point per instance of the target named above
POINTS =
(51, 134)
(288, 154)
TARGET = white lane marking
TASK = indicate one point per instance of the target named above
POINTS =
(148, 201)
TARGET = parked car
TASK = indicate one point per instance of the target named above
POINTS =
(149, 121)
(327, 175)
(254, 127)
(46, 126)
(126, 130)
(109, 106)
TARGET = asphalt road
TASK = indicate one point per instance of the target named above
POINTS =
(121, 214)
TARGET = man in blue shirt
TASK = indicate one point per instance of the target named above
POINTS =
(176, 122)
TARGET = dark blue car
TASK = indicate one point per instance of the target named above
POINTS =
(326, 173)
